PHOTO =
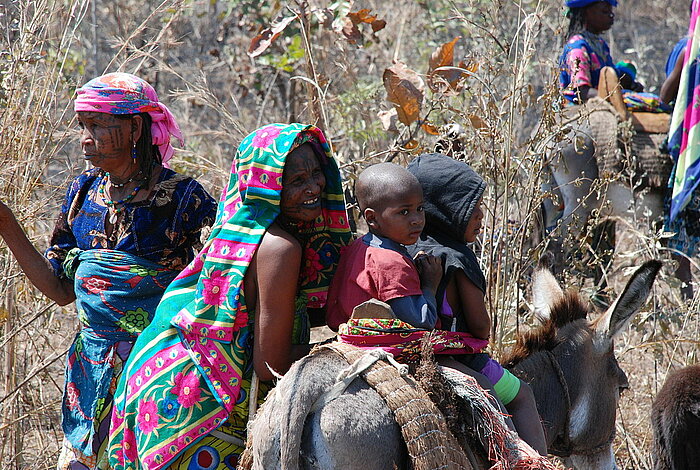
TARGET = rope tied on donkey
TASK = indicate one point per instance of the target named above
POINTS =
(346, 376)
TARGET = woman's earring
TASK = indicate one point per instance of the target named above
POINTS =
(133, 153)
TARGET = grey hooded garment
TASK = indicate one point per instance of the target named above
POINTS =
(451, 190)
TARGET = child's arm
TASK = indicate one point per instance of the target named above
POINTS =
(473, 306)
(418, 310)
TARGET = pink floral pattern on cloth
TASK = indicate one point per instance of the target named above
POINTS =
(148, 416)
(195, 359)
(187, 389)
(124, 93)
(404, 341)
(215, 288)
(264, 137)
(584, 56)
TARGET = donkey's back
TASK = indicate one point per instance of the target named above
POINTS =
(354, 431)
(675, 418)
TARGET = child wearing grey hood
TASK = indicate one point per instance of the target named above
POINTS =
(453, 194)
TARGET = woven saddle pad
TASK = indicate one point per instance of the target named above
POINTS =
(627, 153)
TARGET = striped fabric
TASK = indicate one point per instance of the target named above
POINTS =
(188, 373)
(684, 133)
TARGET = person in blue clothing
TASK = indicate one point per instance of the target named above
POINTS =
(586, 52)
(685, 241)
(126, 228)
(674, 67)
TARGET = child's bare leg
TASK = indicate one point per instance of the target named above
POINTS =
(483, 381)
(526, 418)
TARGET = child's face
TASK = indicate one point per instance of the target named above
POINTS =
(401, 219)
(474, 225)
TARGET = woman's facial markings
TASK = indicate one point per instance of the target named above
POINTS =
(104, 136)
(302, 184)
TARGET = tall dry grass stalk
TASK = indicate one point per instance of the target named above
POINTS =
(34, 93)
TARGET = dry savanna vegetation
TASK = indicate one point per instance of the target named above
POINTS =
(386, 80)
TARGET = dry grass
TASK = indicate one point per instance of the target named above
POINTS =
(195, 55)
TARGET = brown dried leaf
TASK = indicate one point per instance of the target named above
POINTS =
(477, 122)
(351, 31)
(405, 89)
(430, 129)
(470, 68)
(446, 80)
(352, 20)
(443, 76)
(443, 56)
(262, 41)
(411, 144)
(362, 16)
(378, 25)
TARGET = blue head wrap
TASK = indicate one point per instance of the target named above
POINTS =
(585, 3)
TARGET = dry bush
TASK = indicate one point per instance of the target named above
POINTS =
(195, 54)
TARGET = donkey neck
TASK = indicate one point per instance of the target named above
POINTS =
(550, 394)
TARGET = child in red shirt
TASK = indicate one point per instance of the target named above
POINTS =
(377, 265)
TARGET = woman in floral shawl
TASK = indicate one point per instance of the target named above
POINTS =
(240, 307)
(127, 227)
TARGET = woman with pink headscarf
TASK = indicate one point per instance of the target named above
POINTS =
(127, 227)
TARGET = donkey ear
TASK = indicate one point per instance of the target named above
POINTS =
(545, 292)
(630, 301)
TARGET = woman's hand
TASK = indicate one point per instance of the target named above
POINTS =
(35, 266)
(669, 89)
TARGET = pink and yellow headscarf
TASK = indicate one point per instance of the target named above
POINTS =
(124, 93)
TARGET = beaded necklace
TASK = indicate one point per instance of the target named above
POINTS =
(121, 185)
(112, 205)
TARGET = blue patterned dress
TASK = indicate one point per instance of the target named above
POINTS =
(118, 280)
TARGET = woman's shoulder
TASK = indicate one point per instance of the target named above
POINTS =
(576, 38)
(278, 242)
(173, 185)
(586, 41)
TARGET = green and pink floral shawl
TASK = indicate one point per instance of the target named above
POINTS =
(189, 370)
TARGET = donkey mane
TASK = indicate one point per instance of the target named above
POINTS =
(566, 309)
